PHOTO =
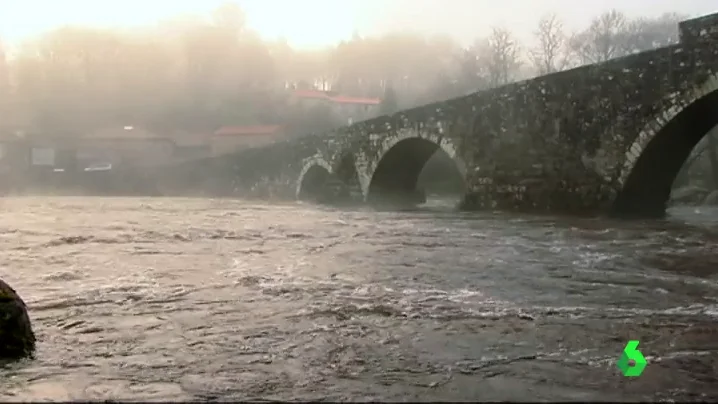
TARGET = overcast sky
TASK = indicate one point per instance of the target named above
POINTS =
(316, 23)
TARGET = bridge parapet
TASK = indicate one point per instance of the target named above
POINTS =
(699, 29)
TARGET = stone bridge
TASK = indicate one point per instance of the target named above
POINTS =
(603, 138)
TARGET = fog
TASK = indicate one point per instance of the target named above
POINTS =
(93, 86)
(298, 22)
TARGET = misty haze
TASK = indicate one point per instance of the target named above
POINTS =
(358, 200)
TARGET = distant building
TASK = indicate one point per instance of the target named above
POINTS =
(351, 109)
(127, 146)
(228, 139)
(119, 146)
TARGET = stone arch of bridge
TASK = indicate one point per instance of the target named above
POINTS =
(659, 151)
(401, 159)
(315, 173)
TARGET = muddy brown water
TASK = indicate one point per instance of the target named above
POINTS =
(198, 299)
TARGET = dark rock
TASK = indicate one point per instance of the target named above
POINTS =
(17, 340)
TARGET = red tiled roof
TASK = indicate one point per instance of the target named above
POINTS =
(339, 99)
(247, 130)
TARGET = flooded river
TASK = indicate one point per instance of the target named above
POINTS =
(197, 299)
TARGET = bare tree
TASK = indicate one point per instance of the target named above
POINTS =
(552, 53)
(472, 72)
(200, 73)
(502, 57)
(604, 39)
(649, 33)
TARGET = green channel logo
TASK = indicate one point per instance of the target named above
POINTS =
(631, 353)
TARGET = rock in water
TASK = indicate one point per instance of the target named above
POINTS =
(17, 340)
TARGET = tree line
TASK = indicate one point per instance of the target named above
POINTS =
(196, 74)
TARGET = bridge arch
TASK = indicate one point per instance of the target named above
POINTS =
(315, 173)
(400, 161)
(656, 156)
